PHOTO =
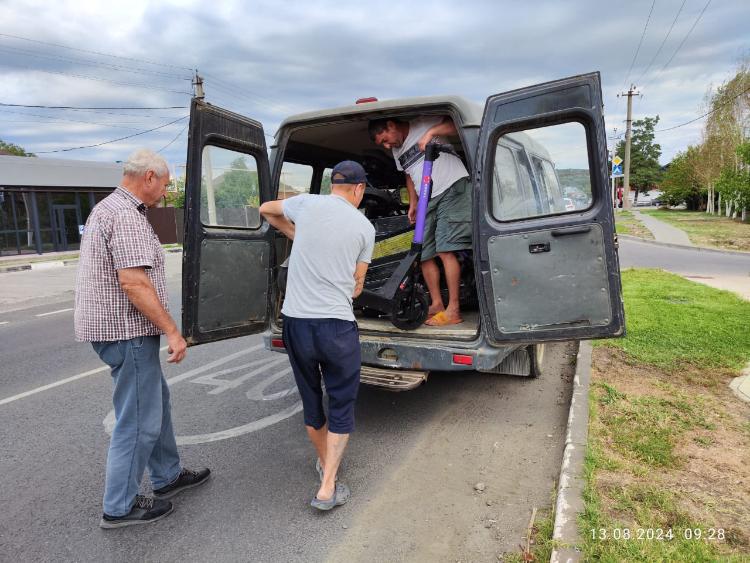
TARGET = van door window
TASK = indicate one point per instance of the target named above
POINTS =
(508, 200)
(325, 182)
(295, 179)
(230, 196)
(560, 169)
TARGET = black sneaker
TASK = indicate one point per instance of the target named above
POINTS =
(145, 510)
(186, 480)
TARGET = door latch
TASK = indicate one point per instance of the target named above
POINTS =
(539, 247)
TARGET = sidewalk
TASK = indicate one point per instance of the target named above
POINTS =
(21, 262)
(662, 231)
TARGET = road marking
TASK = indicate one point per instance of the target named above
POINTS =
(58, 383)
(4, 322)
(256, 393)
(54, 312)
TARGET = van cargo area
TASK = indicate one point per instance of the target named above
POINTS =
(307, 153)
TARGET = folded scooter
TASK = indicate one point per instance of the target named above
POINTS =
(403, 296)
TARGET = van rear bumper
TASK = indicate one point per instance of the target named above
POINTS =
(422, 355)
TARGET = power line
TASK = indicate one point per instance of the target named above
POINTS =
(645, 27)
(705, 114)
(95, 52)
(90, 108)
(116, 67)
(663, 42)
(175, 138)
(114, 140)
(148, 86)
(686, 36)
(52, 118)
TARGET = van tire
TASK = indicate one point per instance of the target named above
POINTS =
(536, 359)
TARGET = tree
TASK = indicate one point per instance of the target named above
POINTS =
(680, 183)
(645, 171)
(12, 149)
(176, 193)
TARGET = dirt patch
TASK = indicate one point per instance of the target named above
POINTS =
(706, 478)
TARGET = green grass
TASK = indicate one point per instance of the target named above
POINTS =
(627, 224)
(543, 543)
(707, 230)
(672, 322)
(634, 438)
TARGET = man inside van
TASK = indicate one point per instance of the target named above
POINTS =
(333, 245)
(448, 220)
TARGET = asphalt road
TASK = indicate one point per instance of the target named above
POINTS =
(412, 463)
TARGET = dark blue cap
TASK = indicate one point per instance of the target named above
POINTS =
(348, 172)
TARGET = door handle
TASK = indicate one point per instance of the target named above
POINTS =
(573, 231)
(539, 247)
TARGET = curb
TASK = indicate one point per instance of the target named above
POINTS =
(571, 483)
(683, 247)
(49, 264)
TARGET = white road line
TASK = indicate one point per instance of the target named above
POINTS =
(58, 383)
(54, 312)
(4, 322)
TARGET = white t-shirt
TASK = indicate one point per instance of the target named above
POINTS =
(330, 237)
(446, 170)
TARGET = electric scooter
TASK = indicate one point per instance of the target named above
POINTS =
(403, 296)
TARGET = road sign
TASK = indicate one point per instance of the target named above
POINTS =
(616, 160)
(616, 169)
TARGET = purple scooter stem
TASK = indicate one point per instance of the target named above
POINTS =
(424, 200)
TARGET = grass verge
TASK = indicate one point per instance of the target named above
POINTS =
(707, 230)
(667, 469)
(627, 224)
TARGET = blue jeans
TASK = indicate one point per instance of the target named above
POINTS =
(142, 435)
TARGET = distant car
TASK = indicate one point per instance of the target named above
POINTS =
(643, 201)
(569, 205)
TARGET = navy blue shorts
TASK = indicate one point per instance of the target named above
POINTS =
(327, 347)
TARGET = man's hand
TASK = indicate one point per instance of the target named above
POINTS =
(426, 138)
(443, 129)
(412, 214)
(176, 347)
(360, 271)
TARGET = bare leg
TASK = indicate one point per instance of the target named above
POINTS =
(319, 439)
(336, 446)
(431, 274)
(453, 280)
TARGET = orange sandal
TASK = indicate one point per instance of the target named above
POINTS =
(442, 319)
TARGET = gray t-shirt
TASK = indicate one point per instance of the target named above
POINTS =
(331, 236)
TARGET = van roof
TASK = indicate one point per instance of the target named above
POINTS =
(470, 112)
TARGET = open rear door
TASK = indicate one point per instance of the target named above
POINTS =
(544, 225)
(227, 258)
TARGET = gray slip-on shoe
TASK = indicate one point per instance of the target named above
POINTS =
(340, 495)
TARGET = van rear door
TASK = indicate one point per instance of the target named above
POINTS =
(546, 271)
(227, 255)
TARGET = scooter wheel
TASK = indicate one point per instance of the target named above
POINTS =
(410, 308)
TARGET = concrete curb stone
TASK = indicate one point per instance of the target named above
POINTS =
(571, 483)
(683, 247)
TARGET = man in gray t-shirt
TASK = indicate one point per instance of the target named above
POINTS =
(333, 244)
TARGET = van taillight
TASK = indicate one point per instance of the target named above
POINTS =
(366, 100)
(462, 359)
(277, 343)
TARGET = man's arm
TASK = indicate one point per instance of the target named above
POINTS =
(445, 128)
(141, 293)
(359, 278)
(273, 211)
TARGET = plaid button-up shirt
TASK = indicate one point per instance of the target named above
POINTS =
(117, 235)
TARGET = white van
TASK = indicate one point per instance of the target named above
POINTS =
(539, 271)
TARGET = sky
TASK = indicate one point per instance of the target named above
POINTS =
(268, 60)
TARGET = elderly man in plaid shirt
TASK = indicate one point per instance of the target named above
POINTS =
(121, 308)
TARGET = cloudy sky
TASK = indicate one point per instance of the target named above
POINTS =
(268, 60)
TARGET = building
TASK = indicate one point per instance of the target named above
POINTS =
(44, 202)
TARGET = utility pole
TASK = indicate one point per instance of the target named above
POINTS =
(198, 86)
(626, 185)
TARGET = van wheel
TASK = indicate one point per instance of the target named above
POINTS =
(536, 359)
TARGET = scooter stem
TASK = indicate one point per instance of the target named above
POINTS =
(432, 151)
